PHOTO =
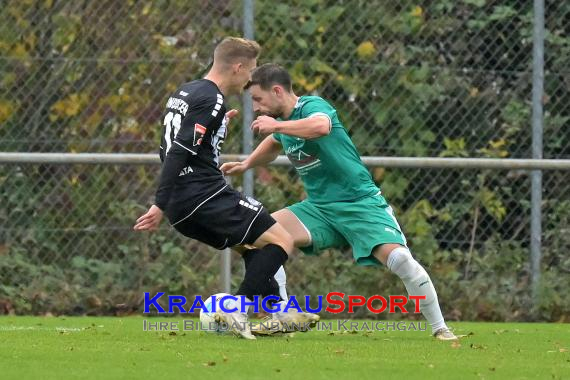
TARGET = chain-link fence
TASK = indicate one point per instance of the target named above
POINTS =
(409, 78)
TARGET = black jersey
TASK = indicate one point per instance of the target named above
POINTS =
(194, 128)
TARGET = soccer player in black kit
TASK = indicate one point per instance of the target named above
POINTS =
(193, 192)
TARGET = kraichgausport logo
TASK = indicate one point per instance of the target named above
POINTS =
(335, 304)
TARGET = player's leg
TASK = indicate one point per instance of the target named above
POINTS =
(281, 282)
(301, 238)
(311, 233)
(417, 281)
(237, 321)
(261, 259)
(273, 247)
(249, 252)
(230, 219)
(298, 231)
(375, 236)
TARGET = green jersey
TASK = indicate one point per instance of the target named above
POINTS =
(329, 166)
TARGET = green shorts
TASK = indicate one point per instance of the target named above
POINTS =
(362, 224)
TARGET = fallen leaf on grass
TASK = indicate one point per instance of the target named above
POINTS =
(559, 350)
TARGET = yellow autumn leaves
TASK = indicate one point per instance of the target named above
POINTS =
(366, 49)
(68, 107)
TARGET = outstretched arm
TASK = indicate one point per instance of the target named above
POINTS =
(265, 152)
(312, 127)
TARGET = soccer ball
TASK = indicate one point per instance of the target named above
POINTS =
(207, 316)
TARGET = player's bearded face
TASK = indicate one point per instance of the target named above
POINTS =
(265, 102)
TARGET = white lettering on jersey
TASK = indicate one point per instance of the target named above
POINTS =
(293, 148)
(178, 105)
(186, 170)
(172, 122)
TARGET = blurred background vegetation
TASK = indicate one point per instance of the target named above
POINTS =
(425, 78)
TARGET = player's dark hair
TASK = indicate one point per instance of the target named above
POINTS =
(270, 74)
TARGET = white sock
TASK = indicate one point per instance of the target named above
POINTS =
(281, 279)
(417, 283)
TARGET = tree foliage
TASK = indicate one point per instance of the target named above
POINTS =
(410, 78)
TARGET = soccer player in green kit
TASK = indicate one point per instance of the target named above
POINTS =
(343, 206)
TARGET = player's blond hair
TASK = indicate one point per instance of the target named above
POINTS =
(233, 49)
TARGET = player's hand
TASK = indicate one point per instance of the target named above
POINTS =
(149, 221)
(233, 168)
(230, 115)
(264, 125)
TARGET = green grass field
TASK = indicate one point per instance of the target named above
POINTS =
(118, 348)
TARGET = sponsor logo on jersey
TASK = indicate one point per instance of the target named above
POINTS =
(199, 132)
(293, 148)
(303, 162)
(186, 170)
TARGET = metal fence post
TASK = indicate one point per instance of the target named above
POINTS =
(247, 112)
(225, 267)
(248, 32)
(537, 136)
(226, 263)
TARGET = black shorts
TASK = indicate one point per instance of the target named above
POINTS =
(224, 219)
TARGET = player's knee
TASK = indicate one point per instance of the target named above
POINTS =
(401, 262)
(415, 277)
